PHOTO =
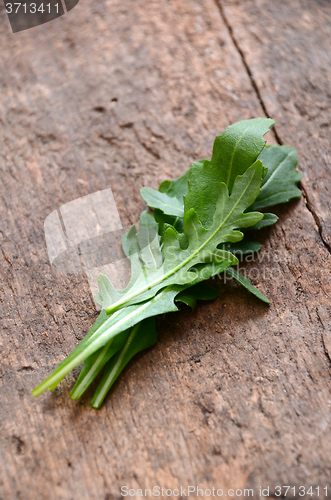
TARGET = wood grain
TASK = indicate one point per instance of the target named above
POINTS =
(236, 395)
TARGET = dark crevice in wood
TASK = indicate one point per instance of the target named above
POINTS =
(317, 220)
(248, 70)
(279, 140)
(5, 256)
(326, 350)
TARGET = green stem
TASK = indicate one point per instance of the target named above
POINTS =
(102, 392)
(90, 375)
(95, 343)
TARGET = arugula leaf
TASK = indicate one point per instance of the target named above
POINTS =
(181, 267)
(201, 291)
(177, 188)
(169, 197)
(162, 201)
(103, 316)
(268, 220)
(144, 252)
(193, 235)
(244, 247)
(247, 284)
(233, 153)
(228, 215)
(279, 185)
(121, 320)
(164, 221)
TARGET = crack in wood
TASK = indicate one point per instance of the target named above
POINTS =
(317, 219)
(308, 204)
(325, 347)
(248, 69)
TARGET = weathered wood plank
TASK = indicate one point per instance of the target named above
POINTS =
(235, 395)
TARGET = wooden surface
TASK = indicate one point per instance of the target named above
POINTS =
(119, 94)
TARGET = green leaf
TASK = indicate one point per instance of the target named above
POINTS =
(164, 220)
(187, 300)
(228, 216)
(193, 235)
(239, 147)
(169, 197)
(149, 241)
(268, 220)
(244, 247)
(144, 251)
(177, 188)
(247, 284)
(181, 267)
(201, 291)
(162, 201)
(234, 152)
(280, 183)
(141, 337)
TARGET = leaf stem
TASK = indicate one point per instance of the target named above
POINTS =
(94, 343)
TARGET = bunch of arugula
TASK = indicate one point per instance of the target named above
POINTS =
(194, 233)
